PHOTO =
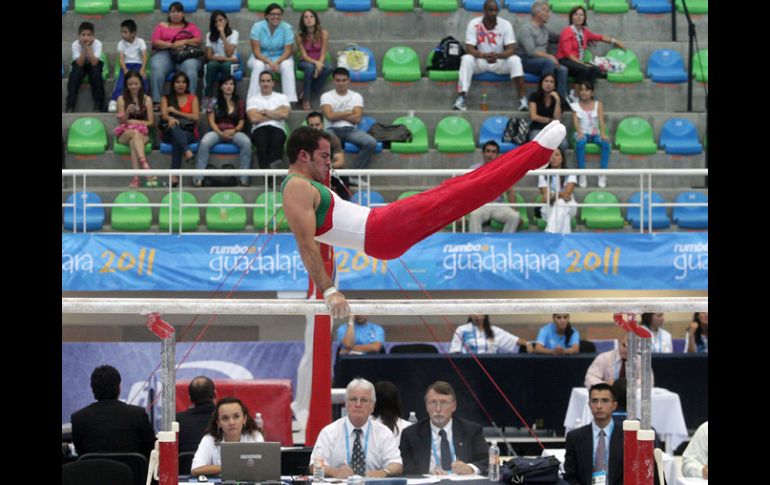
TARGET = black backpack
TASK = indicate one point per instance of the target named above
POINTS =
(447, 55)
(516, 131)
(389, 133)
(220, 180)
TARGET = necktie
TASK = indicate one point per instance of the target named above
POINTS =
(599, 464)
(446, 455)
(358, 461)
(622, 372)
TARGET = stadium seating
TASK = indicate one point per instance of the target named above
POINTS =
(695, 7)
(87, 136)
(408, 193)
(105, 70)
(370, 73)
(166, 149)
(92, 7)
(492, 129)
(520, 6)
(190, 216)
(634, 136)
(659, 218)
(226, 218)
(260, 5)
(395, 5)
(83, 217)
(131, 218)
(299, 74)
(666, 66)
(700, 66)
(564, 6)
(64, 6)
(601, 217)
(542, 223)
(401, 64)
(263, 218)
(454, 135)
(187, 5)
(224, 5)
(609, 6)
(477, 5)
(691, 217)
(632, 73)
(363, 125)
(136, 6)
(651, 6)
(435, 75)
(438, 5)
(678, 136)
(367, 198)
(523, 224)
(419, 143)
(317, 5)
(591, 148)
(121, 149)
(353, 5)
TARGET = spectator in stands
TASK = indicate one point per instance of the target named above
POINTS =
(344, 109)
(558, 338)
(360, 336)
(534, 38)
(584, 460)
(695, 459)
(477, 336)
(176, 32)
(110, 425)
(272, 44)
(180, 111)
(544, 107)
(132, 56)
(313, 44)
(227, 117)
(221, 47)
(387, 408)
(230, 422)
(135, 117)
(193, 422)
(573, 42)
(489, 39)
(559, 206)
(340, 185)
(267, 111)
(590, 127)
(86, 51)
(610, 365)
(342, 443)
(507, 215)
(661, 339)
(697, 337)
(443, 443)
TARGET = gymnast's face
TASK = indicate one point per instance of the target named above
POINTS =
(320, 161)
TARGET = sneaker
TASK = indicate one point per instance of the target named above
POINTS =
(523, 105)
(582, 182)
(602, 181)
(113, 106)
(460, 104)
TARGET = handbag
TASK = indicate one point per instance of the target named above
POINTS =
(608, 64)
(543, 469)
(516, 131)
(182, 53)
(389, 133)
(220, 180)
(353, 58)
(184, 123)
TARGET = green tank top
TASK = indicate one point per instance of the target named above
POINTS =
(326, 198)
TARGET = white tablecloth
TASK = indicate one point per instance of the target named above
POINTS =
(667, 417)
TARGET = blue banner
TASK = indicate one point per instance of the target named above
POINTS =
(265, 262)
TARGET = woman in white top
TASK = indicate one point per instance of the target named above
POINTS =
(661, 339)
(387, 407)
(221, 45)
(559, 207)
(588, 120)
(479, 337)
(231, 422)
(697, 337)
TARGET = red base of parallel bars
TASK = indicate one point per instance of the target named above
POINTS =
(646, 457)
(630, 450)
(168, 468)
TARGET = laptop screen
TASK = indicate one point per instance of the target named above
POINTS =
(254, 462)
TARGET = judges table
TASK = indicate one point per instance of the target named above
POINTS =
(667, 417)
(538, 385)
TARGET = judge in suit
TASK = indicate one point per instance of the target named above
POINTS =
(110, 425)
(444, 443)
(193, 422)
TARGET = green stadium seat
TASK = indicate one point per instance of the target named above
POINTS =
(190, 217)
(116, 71)
(131, 218)
(564, 6)
(92, 7)
(264, 219)
(632, 73)
(299, 74)
(395, 5)
(634, 136)
(317, 5)
(696, 7)
(136, 6)
(408, 193)
(541, 223)
(523, 225)
(261, 5)
(700, 66)
(226, 218)
(587, 57)
(591, 148)
(438, 5)
(87, 136)
(601, 217)
(435, 75)
(454, 135)
(121, 149)
(609, 6)
(419, 143)
(105, 71)
(401, 64)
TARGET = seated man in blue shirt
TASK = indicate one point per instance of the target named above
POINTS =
(360, 336)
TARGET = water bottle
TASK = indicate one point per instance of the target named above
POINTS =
(412, 417)
(494, 462)
(484, 103)
(318, 464)
(260, 422)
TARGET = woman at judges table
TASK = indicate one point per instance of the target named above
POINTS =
(479, 337)
(661, 339)
(558, 338)
(697, 337)
(231, 422)
(387, 407)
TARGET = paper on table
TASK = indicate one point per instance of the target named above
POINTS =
(423, 481)
(461, 478)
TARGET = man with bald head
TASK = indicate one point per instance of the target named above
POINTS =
(193, 422)
(609, 366)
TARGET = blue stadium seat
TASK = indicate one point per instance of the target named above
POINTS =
(353, 5)
(659, 218)
(495, 78)
(666, 66)
(531, 78)
(165, 148)
(225, 148)
(680, 137)
(370, 74)
(691, 217)
(364, 125)
(492, 129)
(91, 220)
(224, 5)
(367, 198)
(188, 5)
(520, 6)
(64, 5)
(651, 6)
(477, 5)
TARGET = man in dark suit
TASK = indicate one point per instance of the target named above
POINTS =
(444, 442)
(193, 422)
(110, 425)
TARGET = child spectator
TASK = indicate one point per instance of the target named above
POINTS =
(132, 56)
(588, 120)
(221, 44)
(86, 51)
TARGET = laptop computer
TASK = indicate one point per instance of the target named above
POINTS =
(251, 462)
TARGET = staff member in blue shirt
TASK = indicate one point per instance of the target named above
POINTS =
(272, 46)
(360, 335)
(558, 338)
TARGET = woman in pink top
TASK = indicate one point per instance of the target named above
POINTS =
(313, 43)
(180, 112)
(573, 42)
(176, 32)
